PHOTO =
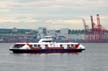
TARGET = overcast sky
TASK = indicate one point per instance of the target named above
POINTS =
(53, 14)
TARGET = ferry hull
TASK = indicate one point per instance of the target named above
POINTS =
(47, 51)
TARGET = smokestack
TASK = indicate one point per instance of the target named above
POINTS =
(92, 23)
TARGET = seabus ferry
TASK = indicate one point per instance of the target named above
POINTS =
(47, 45)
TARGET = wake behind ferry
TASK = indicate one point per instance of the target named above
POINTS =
(47, 45)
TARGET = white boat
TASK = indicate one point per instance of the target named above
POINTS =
(47, 45)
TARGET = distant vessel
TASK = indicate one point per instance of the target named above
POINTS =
(46, 45)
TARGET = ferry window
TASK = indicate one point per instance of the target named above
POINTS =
(72, 45)
(68, 45)
(35, 45)
(61, 45)
(38, 45)
(47, 41)
(30, 45)
(18, 45)
(46, 45)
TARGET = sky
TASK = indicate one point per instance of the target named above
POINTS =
(52, 14)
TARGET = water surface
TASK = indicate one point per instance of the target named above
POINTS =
(94, 58)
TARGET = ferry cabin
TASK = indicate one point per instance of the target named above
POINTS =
(53, 45)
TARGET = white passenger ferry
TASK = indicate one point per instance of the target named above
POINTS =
(47, 45)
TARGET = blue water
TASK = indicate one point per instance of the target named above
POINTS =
(94, 58)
